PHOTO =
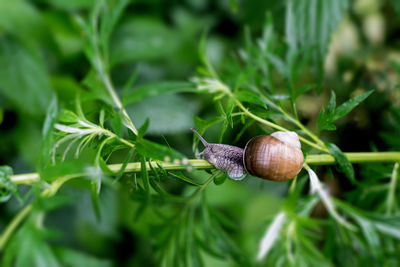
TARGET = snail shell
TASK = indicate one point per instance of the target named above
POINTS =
(275, 157)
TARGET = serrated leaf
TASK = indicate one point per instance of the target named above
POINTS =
(341, 159)
(350, 104)
(249, 97)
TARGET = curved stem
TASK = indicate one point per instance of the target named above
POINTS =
(280, 128)
(50, 191)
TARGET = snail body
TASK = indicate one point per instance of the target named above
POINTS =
(276, 157)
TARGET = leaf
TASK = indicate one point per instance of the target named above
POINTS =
(47, 133)
(142, 130)
(333, 113)
(28, 247)
(310, 25)
(24, 78)
(155, 89)
(350, 104)
(7, 187)
(168, 114)
(68, 116)
(142, 38)
(21, 19)
(71, 257)
(249, 97)
(220, 179)
(94, 192)
(341, 159)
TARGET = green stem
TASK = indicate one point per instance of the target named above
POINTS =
(5, 236)
(304, 129)
(392, 189)
(50, 191)
(200, 164)
(280, 128)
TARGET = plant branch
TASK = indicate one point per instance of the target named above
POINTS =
(50, 191)
(280, 128)
(200, 164)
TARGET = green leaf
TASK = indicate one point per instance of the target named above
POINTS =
(327, 117)
(94, 192)
(142, 130)
(47, 134)
(341, 159)
(156, 89)
(168, 114)
(310, 25)
(249, 97)
(28, 247)
(350, 104)
(68, 116)
(71, 257)
(143, 39)
(7, 187)
(220, 179)
(25, 81)
(21, 19)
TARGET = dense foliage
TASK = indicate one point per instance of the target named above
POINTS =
(98, 168)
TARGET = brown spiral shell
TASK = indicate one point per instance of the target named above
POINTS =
(276, 157)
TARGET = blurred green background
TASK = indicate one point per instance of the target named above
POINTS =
(41, 55)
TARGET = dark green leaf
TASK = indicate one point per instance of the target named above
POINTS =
(349, 105)
(342, 161)
(7, 187)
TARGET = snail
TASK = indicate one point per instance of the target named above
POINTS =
(276, 157)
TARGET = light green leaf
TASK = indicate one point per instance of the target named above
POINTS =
(249, 97)
(24, 78)
(70, 257)
(143, 39)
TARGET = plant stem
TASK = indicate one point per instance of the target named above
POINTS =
(391, 198)
(200, 164)
(13, 225)
(50, 191)
(280, 128)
